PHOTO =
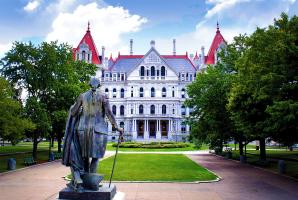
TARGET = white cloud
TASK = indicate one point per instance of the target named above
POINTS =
(108, 24)
(220, 5)
(4, 48)
(32, 5)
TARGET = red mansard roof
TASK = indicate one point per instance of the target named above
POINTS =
(90, 42)
(218, 39)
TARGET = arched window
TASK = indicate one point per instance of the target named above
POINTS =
(107, 91)
(121, 110)
(114, 93)
(152, 109)
(122, 93)
(173, 91)
(114, 110)
(164, 92)
(152, 71)
(131, 92)
(163, 71)
(83, 55)
(122, 125)
(142, 71)
(152, 92)
(183, 110)
(164, 109)
(183, 93)
(141, 92)
(141, 109)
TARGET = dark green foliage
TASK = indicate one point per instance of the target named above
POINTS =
(51, 78)
(13, 123)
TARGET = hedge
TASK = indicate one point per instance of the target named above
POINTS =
(152, 145)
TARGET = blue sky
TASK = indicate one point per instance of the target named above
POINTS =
(114, 22)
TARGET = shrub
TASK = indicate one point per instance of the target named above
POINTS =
(152, 145)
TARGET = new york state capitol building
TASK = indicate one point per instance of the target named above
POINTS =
(146, 92)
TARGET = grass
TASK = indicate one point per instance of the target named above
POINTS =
(154, 167)
(290, 157)
(22, 150)
(190, 148)
(25, 147)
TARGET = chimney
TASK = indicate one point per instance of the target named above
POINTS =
(131, 45)
(102, 53)
(174, 47)
(152, 43)
(203, 54)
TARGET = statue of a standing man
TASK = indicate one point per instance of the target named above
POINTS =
(86, 132)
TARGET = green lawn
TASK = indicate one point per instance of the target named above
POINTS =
(154, 167)
(42, 155)
(190, 148)
(290, 157)
(25, 147)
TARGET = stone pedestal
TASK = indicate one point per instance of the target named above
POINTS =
(104, 193)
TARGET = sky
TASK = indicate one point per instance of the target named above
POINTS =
(114, 22)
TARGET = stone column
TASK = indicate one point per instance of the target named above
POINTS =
(146, 133)
(134, 130)
(158, 133)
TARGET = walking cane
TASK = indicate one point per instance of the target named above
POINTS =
(114, 163)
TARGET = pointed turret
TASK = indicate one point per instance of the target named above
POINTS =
(215, 46)
(86, 50)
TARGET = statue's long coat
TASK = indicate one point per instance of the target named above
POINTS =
(86, 128)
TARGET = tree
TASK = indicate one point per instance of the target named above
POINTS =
(208, 96)
(263, 99)
(49, 75)
(13, 124)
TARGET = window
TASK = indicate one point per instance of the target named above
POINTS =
(115, 77)
(107, 91)
(164, 92)
(88, 57)
(183, 110)
(152, 109)
(131, 92)
(157, 72)
(83, 55)
(114, 93)
(152, 92)
(122, 125)
(122, 93)
(183, 127)
(190, 77)
(164, 109)
(163, 71)
(141, 109)
(131, 111)
(152, 71)
(142, 71)
(141, 92)
(121, 110)
(122, 77)
(173, 111)
(182, 77)
(114, 110)
(183, 93)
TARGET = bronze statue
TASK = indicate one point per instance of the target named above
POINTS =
(86, 137)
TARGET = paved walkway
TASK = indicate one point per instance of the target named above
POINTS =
(239, 182)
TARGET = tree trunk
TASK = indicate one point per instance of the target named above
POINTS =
(35, 143)
(59, 144)
(241, 147)
(262, 149)
(52, 141)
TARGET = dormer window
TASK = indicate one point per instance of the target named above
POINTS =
(83, 55)
(163, 71)
(182, 77)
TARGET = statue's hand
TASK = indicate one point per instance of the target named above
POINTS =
(120, 130)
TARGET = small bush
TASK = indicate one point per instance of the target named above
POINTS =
(152, 145)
